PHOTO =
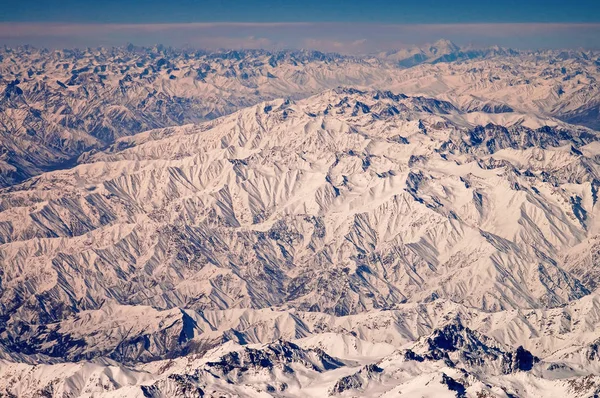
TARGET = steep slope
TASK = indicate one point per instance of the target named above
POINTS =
(453, 361)
(342, 203)
(55, 105)
(563, 84)
(134, 334)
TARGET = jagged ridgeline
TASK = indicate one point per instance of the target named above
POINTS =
(342, 203)
(56, 105)
(353, 243)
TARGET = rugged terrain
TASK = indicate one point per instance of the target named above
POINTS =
(56, 105)
(353, 243)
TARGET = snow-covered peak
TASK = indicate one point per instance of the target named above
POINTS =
(438, 228)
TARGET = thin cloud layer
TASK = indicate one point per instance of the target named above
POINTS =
(338, 37)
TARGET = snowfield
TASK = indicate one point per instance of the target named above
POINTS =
(57, 105)
(432, 235)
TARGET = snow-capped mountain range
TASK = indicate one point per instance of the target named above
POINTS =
(56, 105)
(353, 243)
(299, 224)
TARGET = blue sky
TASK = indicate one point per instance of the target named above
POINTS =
(373, 11)
(350, 26)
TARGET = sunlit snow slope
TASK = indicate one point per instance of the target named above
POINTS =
(355, 243)
(55, 105)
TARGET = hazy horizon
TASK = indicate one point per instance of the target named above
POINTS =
(350, 26)
(342, 38)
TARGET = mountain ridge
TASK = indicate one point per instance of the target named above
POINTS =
(58, 105)
(333, 210)
(312, 225)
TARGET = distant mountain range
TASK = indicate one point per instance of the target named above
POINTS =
(58, 104)
(442, 51)
(299, 224)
